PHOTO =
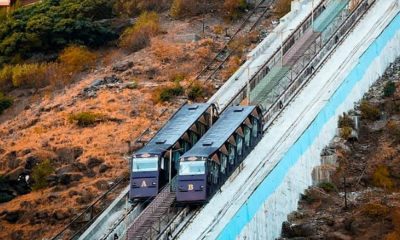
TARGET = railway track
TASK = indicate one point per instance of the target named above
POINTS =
(247, 25)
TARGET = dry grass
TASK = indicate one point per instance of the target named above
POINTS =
(166, 51)
(231, 67)
(138, 36)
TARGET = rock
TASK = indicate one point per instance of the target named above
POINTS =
(15, 174)
(52, 180)
(68, 154)
(60, 215)
(13, 216)
(93, 162)
(103, 167)
(122, 66)
(79, 166)
(67, 178)
(85, 198)
(72, 193)
(338, 236)
(11, 159)
(297, 230)
(90, 173)
(101, 185)
(31, 161)
(17, 235)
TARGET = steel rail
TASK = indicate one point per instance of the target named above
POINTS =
(226, 45)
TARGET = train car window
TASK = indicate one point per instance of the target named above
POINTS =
(231, 154)
(145, 164)
(162, 163)
(202, 128)
(254, 129)
(239, 146)
(186, 145)
(193, 138)
(175, 158)
(224, 159)
(247, 136)
(192, 168)
(215, 173)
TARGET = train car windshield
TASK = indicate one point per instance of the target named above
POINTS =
(192, 168)
(145, 164)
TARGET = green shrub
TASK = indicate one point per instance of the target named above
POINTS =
(164, 94)
(328, 187)
(308, 197)
(40, 174)
(85, 119)
(49, 26)
(5, 102)
(195, 92)
(368, 111)
(389, 89)
(345, 121)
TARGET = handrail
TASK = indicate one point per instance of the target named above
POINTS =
(364, 2)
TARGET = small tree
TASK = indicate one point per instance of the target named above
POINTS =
(40, 173)
(389, 89)
(368, 111)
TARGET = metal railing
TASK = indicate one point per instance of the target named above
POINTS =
(276, 56)
(295, 86)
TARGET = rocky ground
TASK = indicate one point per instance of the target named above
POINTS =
(362, 199)
(86, 160)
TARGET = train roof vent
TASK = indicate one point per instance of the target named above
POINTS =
(239, 110)
(161, 141)
(194, 107)
(207, 144)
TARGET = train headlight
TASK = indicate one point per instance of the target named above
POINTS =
(201, 187)
(153, 183)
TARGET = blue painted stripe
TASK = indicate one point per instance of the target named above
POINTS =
(248, 210)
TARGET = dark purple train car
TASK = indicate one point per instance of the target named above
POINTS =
(205, 168)
(157, 162)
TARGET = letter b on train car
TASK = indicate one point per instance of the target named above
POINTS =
(190, 187)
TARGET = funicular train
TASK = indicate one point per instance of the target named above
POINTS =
(152, 165)
(199, 146)
(205, 168)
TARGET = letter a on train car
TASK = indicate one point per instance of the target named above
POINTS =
(143, 184)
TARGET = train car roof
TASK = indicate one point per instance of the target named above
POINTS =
(176, 126)
(220, 132)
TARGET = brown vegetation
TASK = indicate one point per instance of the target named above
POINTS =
(138, 36)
